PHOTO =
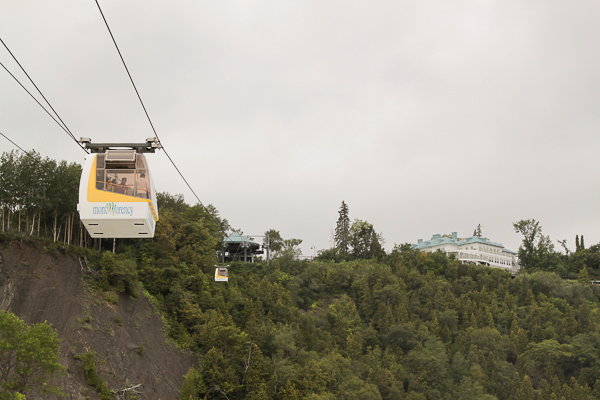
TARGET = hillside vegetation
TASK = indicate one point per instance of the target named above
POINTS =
(108, 341)
(403, 325)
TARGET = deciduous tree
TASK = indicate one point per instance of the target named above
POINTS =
(536, 251)
(366, 243)
(275, 241)
(28, 356)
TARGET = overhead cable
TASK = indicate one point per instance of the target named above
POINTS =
(150, 121)
(19, 147)
(16, 145)
(61, 123)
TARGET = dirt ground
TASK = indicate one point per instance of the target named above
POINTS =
(128, 336)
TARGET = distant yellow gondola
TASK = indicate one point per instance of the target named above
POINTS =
(221, 274)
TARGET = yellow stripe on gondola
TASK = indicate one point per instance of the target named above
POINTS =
(101, 196)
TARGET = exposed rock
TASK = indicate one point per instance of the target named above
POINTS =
(128, 336)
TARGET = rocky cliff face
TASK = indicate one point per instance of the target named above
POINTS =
(128, 335)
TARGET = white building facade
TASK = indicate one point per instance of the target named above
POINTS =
(472, 250)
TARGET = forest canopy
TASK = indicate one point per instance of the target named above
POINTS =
(355, 323)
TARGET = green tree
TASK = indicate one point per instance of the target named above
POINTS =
(8, 186)
(584, 276)
(289, 392)
(280, 247)
(428, 364)
(119, 272)
(563, 244)
(366, 243)
(218, 374)
(521, 389)
(291, 249)
(536, 251)
(192, 384)
(63, 195)
(222, 223)
(342, 230)
(28, 356)
(546, 359)
(275, 242)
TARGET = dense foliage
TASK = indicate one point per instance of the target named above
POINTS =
(28, 357)
(39, 196)
(355, 241)
(537, 253)
(365, 324)
(419, 326)
(412, 325)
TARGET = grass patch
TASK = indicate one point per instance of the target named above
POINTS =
(89, 360)
(110, 297)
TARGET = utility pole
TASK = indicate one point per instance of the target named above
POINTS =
(268, 248)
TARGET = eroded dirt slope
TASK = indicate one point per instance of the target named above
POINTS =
(128, 336)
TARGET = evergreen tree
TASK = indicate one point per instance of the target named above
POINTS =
(342, 230)
(366, 242)
(477, 231)
(596, 391)
(584, 277)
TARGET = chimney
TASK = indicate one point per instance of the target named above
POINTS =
(454, 236)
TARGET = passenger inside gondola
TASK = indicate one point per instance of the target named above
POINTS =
(130, 180)
(122, 188)
(142, 186)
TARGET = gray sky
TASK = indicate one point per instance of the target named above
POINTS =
(424, 117)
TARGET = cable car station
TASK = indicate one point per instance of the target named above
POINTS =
(239, 248)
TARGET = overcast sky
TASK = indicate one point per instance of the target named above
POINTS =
(424, 117)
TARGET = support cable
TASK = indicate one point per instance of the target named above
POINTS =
(61, 123)
(16, 145)
(150, 121)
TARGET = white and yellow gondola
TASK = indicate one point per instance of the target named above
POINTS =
(117, 198)
(221, 274)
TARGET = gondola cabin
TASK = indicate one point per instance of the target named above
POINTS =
(117, 198)
(221, 274)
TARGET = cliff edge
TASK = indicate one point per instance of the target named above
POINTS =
(134, 355)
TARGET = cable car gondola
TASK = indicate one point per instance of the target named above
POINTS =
(117, 198)
(221, 274)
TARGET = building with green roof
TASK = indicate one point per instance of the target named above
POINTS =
(472, 250)
(239, 248)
